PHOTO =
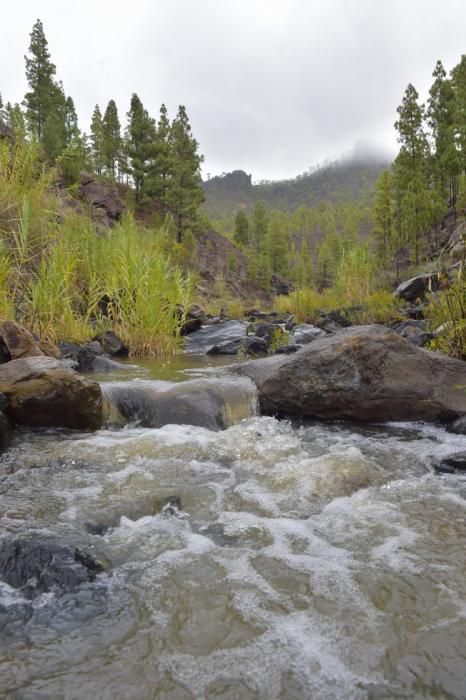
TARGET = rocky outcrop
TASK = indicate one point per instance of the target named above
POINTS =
(366, 373)
(5, 131)
(41, 392)
(103, 197)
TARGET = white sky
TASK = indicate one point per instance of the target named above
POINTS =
(271, 87)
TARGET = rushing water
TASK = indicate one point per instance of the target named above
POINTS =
(268, 560)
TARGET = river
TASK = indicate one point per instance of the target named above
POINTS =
(270, 560)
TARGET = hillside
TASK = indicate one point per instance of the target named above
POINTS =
(341, 181)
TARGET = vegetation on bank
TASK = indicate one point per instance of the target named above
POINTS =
(64, 279)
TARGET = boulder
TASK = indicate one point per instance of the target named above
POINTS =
(204, 339)
(112, 344)
(265, 330)
(6, 132)
(417, 287)
(366, 373)
(39, 565)
(41, 392)
(251, 345)
(18, 341)
(209, 403)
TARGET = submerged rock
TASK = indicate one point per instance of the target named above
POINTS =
(451, 465)
(366, 373)
(37, 566)
(43, 393)
(209, 403)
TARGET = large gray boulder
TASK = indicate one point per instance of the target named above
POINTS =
(41, 392)
(213, 403)
(366, 373)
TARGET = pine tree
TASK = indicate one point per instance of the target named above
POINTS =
(15, 119)
(241, 234)
(410, 170)
(71, 122)
(184, 192)
(458, 80)
(383, 216)
(140, 139)
(54, 132)
(441, 119)
(161, 162)
(40, 73)
(258, 227)
(112, 143)
(3, 115)
(277, 244)
(97, 140)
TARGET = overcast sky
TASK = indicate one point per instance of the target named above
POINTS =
(271, 86)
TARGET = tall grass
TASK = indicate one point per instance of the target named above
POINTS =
(55, 270)
(446, 315)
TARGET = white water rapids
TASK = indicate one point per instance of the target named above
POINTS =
(269, 560)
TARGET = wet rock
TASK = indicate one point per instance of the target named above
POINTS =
(458, 426)
(251, 345)
(265, 330)
(112, 344)
(37, 566)
(90, 357)
(43, 393)
(417, 287)
(209, 403)
(451, 465)
(201, 341)
(286, 349)
(366, 373)
(5, 427)
(305, 333)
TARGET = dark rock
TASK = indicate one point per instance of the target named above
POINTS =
(201, 341)
(37, 566)
(286, 349)
(451, 465)
(415, 312)
(333, 322)
(103, 197)
(265, 330)
(6, 132)
(417, 287)
(251, 344)
(458, 426)
(112, 344)
(305, 333)
(191, 325)
(421, 339)
(366, 373)
(209, 403)
(43, 393)
(280, 286)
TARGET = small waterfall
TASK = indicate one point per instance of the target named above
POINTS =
(213, 403)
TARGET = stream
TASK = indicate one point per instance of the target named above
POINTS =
(269, 560)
